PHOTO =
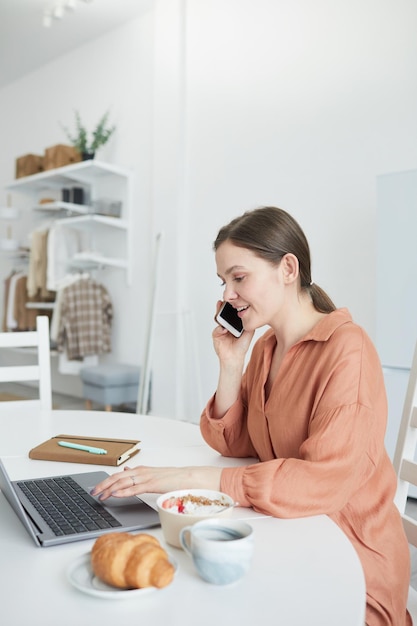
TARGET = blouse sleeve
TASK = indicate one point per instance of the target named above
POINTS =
(228, 435)
(330, 469)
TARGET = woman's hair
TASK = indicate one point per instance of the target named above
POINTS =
(271, 233)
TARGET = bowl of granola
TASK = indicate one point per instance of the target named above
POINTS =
(185, 507)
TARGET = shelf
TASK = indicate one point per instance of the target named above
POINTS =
(34, 351)
(20, 254)
(92, 260)
(9, 245)
(59, 206)
(9, 213)
(84, 221)
(84, 172)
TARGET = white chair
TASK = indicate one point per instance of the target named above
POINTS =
(40, 372)
(406, 467)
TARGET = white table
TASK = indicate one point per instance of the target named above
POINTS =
(305, 571)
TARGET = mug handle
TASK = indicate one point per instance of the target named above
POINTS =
(185, 538)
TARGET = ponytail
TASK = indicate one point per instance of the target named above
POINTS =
(321, 301)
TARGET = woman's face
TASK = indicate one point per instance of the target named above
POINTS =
(252, 285)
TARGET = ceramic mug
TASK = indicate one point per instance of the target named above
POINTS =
(221, 549)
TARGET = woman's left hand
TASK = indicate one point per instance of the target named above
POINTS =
(142, 479)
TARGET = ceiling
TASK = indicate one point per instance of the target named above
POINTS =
(25, 44)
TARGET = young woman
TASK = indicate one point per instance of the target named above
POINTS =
(310, 405)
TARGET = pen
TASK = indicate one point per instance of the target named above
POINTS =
(78, 446)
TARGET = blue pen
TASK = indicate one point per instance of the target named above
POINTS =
(79, 446)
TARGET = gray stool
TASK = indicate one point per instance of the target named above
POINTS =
(110, 384)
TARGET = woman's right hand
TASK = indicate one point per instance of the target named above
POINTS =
(231, 352)
(228, 347)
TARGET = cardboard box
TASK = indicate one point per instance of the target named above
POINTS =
(29, 164)
(60, 155)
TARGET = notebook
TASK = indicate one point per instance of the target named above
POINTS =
(83, 517)
(63, 448)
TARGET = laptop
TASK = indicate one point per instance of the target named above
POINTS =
(60, 509)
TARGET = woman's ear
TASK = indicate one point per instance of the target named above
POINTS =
(290, 268)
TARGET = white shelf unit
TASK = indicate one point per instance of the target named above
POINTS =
(98, 180)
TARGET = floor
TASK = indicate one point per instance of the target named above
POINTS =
(61, 401)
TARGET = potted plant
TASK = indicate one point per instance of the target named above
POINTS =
(100, 135)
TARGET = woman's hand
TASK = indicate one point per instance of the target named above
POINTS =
(142, 479)
(228, 347)
(231, 352)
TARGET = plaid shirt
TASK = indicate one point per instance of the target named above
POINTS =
(85, 321)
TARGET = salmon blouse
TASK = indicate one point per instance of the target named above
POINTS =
(319, 438)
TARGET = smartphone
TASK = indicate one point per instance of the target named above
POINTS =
(229, 319)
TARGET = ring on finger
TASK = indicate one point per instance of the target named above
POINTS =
(133, 480)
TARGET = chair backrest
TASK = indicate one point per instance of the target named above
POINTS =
(40, 372)
(404, 463)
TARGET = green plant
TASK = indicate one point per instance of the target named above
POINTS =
(100, 135)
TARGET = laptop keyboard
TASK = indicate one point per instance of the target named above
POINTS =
(66, 507)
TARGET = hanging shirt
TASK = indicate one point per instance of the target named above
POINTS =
(63, 244)
(11, 321)
(85, 323)
(25, 316)
(67, 280)
(38, 259)
(320, 439)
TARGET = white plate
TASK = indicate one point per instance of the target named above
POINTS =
(81, 576)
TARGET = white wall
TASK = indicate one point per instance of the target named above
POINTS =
(221, 106)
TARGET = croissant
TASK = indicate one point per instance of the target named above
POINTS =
(131, 561)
